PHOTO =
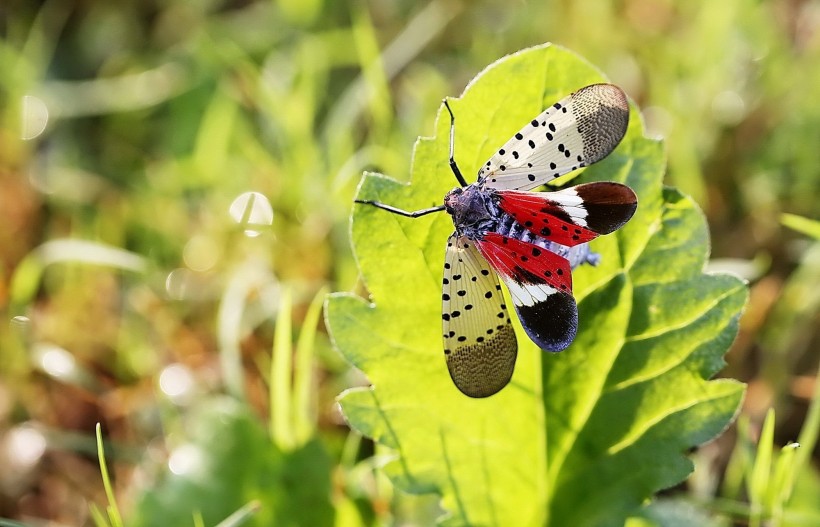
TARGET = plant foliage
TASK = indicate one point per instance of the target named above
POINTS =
(578, 438)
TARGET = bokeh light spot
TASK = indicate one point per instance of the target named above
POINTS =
(253, 211)
(34, 119)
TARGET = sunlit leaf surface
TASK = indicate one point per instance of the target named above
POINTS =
(577, 438)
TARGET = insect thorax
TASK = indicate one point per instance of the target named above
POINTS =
(473, 209)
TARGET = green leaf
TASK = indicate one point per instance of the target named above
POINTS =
(760, 476)
(800, 224)
(674, 513)
(113, 510)
(228, 469)
(581, 437)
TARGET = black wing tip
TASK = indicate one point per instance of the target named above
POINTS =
(609, 205)
(482, 370)
(551, 324)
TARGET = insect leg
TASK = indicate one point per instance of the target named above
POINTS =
(453, 165)
(400, 212)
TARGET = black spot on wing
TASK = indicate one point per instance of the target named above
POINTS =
(551, 324)
(523, 276)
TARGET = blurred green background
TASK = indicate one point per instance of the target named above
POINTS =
(145, 289)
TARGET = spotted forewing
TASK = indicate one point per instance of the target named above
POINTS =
(479, 341)
(577, 131)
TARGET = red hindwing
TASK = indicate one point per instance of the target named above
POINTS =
(526, 263)
(544, 217)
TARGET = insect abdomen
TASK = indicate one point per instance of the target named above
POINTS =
(577, 255)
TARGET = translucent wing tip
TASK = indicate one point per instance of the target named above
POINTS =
(602, 113)
(481, 370)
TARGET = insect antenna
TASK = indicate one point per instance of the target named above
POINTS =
(453, 165)
(400, 212)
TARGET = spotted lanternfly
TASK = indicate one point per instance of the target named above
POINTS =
(531, 240)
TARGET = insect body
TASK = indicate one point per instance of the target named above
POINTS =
(531, 240)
